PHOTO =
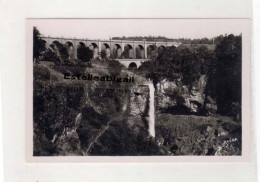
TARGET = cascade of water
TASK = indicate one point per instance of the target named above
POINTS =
(151, 110)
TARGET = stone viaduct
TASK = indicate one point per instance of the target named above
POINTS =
(129, 53)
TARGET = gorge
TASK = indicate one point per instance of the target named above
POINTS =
(177, 104)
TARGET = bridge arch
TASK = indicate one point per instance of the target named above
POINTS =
(139, 52)
(54, 45)
(132, 65)
(128, 52)
(45, 43)
(55, 41)
(105, 51)
(80, 49)
(69, 44)
(106, 45)
(83, 52)
(70, 49)
(61, 49)
(82, 44)
(151, 49)
(161, 48)
(116, 51)
(94, 47)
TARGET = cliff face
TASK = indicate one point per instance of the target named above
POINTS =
(95, 105)
(173, 96)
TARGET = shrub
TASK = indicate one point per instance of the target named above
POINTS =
(51, 56)
(114, 67)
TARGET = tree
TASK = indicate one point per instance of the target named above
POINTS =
(85, 54)
(229, 60)
(167, 64)
(114, 67)
(38, 44)
(125, 54)
(103, 54)
(51, 56)
(218, 39)
(224, 83)
(152, 52)
(63, 53)
(190, 66)
(205, 57)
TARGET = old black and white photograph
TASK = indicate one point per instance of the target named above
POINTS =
(137, 87)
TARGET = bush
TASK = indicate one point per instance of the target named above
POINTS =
(190, 67)
(85, 54)
(225, 79)
(114, 67)
(51, 56)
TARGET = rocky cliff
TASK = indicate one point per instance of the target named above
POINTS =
(77, 117)
(176, 98)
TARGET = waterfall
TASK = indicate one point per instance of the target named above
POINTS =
(151, 110)
(78, 120)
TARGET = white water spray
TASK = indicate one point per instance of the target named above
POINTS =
(151, 110)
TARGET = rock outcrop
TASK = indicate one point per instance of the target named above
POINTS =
(173, 96)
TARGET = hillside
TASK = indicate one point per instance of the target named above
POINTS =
(79, 117)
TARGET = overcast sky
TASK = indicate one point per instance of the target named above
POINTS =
(106, 28)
